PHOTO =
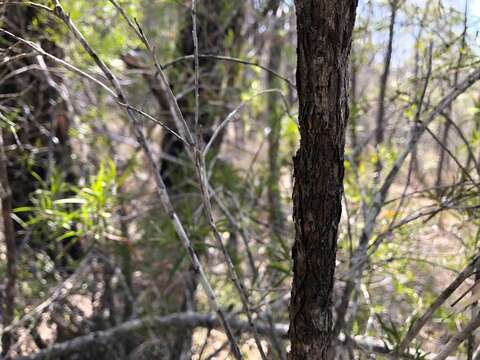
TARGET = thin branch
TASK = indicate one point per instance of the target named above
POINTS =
(207, 208)
(82, 73)
(452, 156)
(420, 323)
(67, 65)
(415, 134)
(28, 3)
(241, 229)
(230, 59)
(231, 115)
(458, 338)
(180, 320)
(187, 320)
(175, 111)
(380, 120)
(196, 67)
(161, 189)
(199, 160)
(59, 292)
(465, 141)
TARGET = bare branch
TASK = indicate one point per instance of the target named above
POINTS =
(230, 59)
(458, 338)
(186, 320)
(416, 133)
(161, 189)
(420, 323)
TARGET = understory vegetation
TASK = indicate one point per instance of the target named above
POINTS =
(146, 167)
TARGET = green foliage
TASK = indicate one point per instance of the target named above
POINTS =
(103, 27)
(403, 276)
(290, 134)
(392, 335)
(64, 211)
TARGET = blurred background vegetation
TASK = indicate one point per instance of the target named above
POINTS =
(93, 246)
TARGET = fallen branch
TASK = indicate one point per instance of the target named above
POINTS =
(188, 320)
(180, 320)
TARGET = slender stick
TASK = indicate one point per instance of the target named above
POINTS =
(420, 323)
(174, 109)
(458, 338)
(161, 189)
(359, 258)
(230, 59)
(196, 67)
(186, 320)
(380, 120)
(232, 113)
(82, 73)
(198, 156)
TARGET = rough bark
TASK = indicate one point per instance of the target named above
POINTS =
(324, 37)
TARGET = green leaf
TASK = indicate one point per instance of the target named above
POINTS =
(70, 201)
(280, 267)
(68, 234)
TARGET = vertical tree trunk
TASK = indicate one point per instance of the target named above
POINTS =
(276, 216)
(215, 20)
(9, 238)
(443, 163)
(40, 116)
(324, 37)
(380, 129)
(16, 182)
(354, 103)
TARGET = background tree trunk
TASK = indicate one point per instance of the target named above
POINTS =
(9, 238)
(276, 216)
(380, 129)
(34, 103)
(324, 36)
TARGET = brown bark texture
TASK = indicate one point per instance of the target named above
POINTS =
(324, 37)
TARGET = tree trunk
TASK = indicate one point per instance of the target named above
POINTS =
(443, 163)
(380, 129)
(215, 20)
(41, 117)
(276, 216)
(10, 242)
(354, 103)
(324, 37)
